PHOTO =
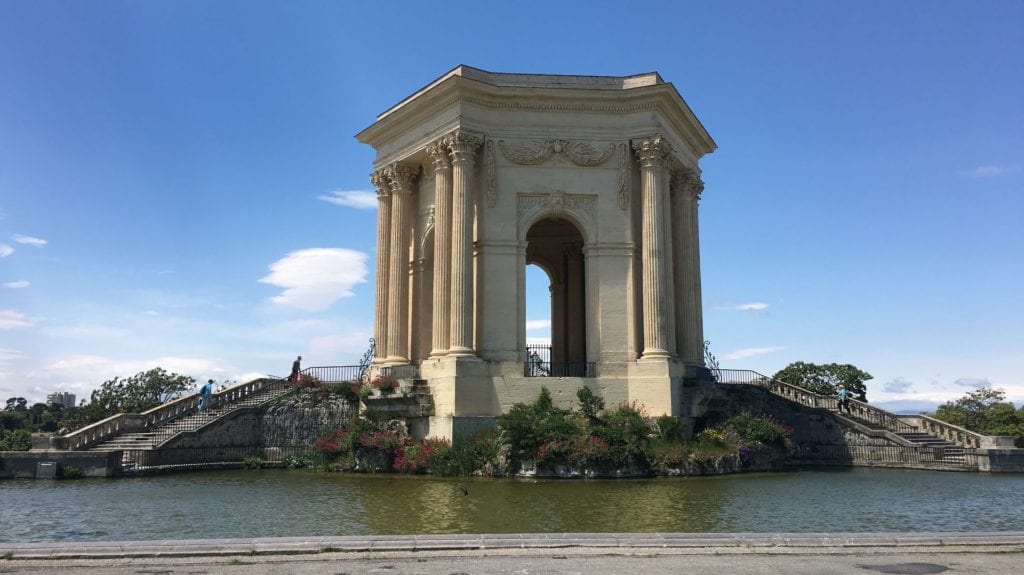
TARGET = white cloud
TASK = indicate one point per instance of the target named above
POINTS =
(753, 306)
(751, 352)
(315, 278)
(359, 199)
(536, 324)
(897, 385)
(5, 250)
(9, 355)
(29, 241)
(10, 319)
(973, 382)
(990, 171)
(538, 340)
(16, 285)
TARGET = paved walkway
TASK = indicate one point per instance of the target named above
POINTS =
(592, 554)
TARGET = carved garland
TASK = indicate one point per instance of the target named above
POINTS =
(623, 177)
(535, 152)
(492, 186)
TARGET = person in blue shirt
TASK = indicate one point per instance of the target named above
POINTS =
(204, 395)
(843, 399)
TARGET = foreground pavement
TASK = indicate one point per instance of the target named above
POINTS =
(592, 554)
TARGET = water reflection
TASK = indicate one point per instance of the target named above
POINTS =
(281, 503)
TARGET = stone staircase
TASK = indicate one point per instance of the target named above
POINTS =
(163, 423)
(938, 443)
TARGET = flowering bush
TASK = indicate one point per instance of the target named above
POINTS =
(421, 456)
(386, 384)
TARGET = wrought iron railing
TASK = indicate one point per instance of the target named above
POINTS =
(539, 364)
(335, 373)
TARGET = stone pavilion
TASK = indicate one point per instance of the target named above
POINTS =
(595, 180)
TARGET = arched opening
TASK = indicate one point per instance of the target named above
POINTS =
(556, 246)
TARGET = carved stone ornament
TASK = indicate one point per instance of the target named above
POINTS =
(463, 145)
(653, 151)
(492, 185)
(623, 178)
(402, 177)
(687, 181)
(535, 152)
(430, 218)
(558, 202)
(380, 181)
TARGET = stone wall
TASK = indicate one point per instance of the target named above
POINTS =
(26, 464)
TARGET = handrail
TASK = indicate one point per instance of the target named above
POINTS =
(862, 410)
(948, 431)
(134, 422)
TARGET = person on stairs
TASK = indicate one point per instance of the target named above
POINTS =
(204, 395)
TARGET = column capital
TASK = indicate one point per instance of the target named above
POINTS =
(438, 152)
(401, 177)
(687, 181)
(380, 181)
(463, 145)
(654, 151)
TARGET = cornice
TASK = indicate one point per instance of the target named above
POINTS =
(457, 91)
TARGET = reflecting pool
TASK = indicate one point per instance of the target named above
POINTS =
(272, 503)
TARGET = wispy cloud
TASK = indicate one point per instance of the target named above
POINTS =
(991, 171)
(897, 385)
(5, 250)
(29, 240)
(751, 352)
(359, 199)
(315, 278)
(10, 319)
(16, 285)
(535, 324)
(752, 306)
(973, 382)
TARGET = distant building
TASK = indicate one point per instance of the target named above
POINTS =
(62, 398)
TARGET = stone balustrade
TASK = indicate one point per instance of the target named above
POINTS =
(136, 422)
(950, 432)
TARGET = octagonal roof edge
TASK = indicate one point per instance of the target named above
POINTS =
(596, 85)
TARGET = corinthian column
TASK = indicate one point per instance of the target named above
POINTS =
(653, 154)
(441, 325)
(681, 263)
(380, 304)
(695, 345)
(463, 148)
(401, 178)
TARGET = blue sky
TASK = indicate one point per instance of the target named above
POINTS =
(180, 185)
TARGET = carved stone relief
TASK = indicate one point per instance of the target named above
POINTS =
(533, 152)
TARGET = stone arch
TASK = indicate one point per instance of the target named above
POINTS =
(556, 245)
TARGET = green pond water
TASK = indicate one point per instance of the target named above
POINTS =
(271, 503)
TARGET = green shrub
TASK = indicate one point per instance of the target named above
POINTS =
(527, 427)
(764, 430)
(15, 440)
(669, 428)
(252, 463)
(590, 404)
(70, 472)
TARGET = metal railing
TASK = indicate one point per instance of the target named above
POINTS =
(868, 413)
(335, 373)
(539, 364)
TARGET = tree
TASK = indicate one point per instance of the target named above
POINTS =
(824, 379)
(986, 411)
(135, 394)
(16, 404)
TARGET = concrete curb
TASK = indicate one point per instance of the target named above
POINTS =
(728, 542)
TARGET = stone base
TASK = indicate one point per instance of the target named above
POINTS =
(458, 429)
